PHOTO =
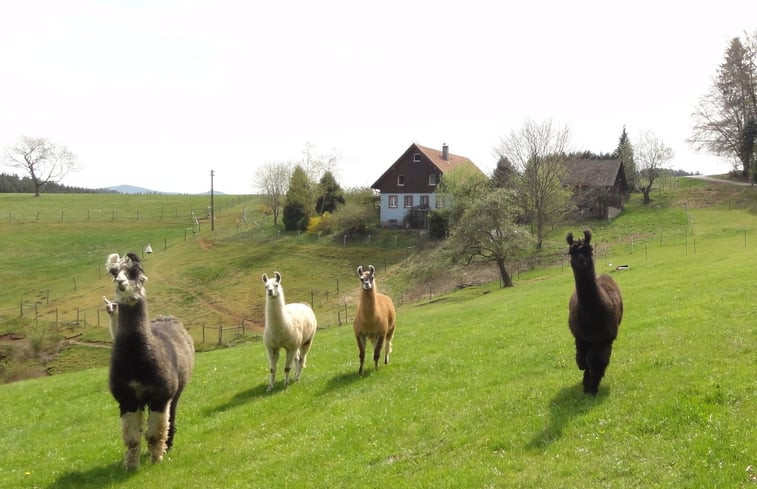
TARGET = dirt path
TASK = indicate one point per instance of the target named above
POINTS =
(720, 180)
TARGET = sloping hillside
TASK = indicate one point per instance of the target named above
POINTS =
(482, 390)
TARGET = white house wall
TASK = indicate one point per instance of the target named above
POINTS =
(395, 216)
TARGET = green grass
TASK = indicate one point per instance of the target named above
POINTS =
(55, 247)
(482, 389)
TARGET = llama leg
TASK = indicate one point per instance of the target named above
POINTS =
(582, 353)
(377, 344)
(172, 421)
(361, 351)
(131, 429)
(273, 359)
(303, 358)
(388, 345)
(598, 359)
(291, 356)
(157, 432)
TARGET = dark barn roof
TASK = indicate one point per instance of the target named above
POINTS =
(593, 173)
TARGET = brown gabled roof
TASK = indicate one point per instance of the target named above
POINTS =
(434, 156)
(591, 173)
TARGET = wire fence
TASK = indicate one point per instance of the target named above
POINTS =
(335, 301)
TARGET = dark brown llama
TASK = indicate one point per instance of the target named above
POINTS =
(596, 309)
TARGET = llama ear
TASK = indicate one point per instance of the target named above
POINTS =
(278, 277)
(112, 260)
(569, 238)
(372, 269)
(360, 271)
(265, 278)
(587, 236)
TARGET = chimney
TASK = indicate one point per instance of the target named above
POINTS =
(445, 152)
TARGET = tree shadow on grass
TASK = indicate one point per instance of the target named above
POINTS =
(104, 476)
(242, 398)
(569, 403)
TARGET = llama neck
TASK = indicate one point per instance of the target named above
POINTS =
(586, 285)
(274, 307)
(133, 320)
(368, 299)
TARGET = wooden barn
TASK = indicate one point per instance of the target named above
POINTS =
(600, 188)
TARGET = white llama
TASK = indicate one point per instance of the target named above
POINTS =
(288, 326)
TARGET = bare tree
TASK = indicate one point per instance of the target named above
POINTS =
(725, 119)
(651, 156)
(44, 161)
(538, 152)
(272, 179)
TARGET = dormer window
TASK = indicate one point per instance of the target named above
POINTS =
(416, 157)
(401, 180)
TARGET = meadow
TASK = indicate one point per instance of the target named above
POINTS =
(482, 388)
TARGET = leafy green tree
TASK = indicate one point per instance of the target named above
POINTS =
(504, 174)
(359, 213)
(725, 119)
(297, 209)
(624, 152)
(458, 186)
(486, 232)
(330, 194)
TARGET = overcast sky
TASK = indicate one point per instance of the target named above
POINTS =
(158, 93)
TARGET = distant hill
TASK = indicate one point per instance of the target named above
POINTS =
(132, 189)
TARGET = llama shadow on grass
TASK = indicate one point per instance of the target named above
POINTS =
(569, 403)
(242, 398)
(105, 476)
(343, 380)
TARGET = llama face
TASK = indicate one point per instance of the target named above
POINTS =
(272, 285)
(129, 278)
(366, 277)
(580, 251)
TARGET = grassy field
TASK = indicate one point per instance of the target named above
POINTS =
(482, 390)
(55, 250)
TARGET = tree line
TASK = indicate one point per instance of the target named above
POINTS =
(25, 185)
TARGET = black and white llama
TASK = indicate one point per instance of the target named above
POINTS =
(150, 365)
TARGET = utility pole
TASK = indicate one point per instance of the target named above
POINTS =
(212, 207)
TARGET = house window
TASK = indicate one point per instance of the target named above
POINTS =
(408, 201)
(392, 201)
(424, 201)
(416, 157)
(439, 202)
(400, 180)
(432, 179)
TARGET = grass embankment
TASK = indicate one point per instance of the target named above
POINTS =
(482, 390)
(53, 270)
